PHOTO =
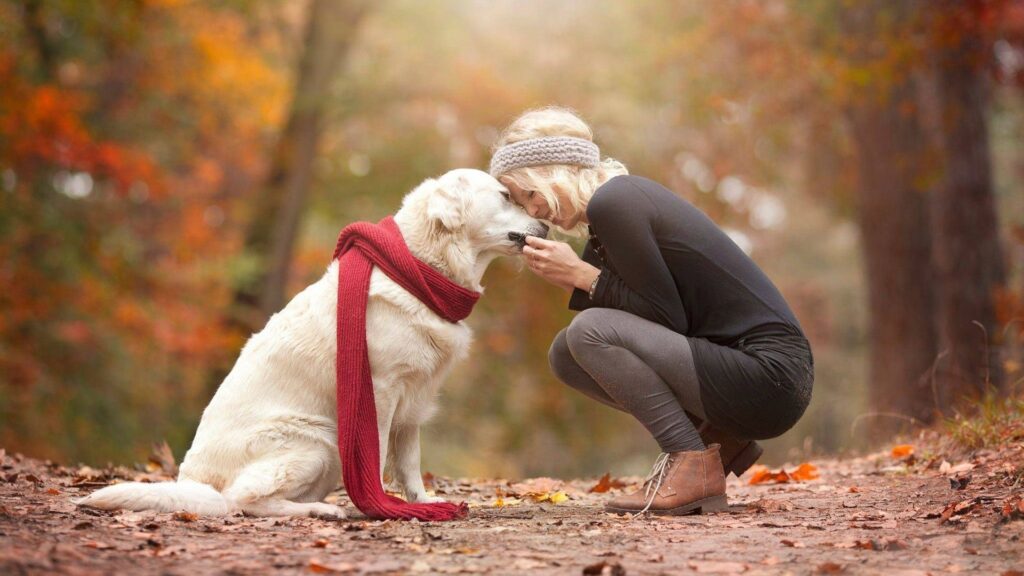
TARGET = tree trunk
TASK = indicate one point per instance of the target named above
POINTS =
(965, 233)
(278, 210)
(892, 150)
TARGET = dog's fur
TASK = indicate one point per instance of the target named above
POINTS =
(267, 442)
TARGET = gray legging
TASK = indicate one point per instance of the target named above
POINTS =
(636, 366)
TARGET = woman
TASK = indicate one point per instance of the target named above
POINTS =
(678, 327)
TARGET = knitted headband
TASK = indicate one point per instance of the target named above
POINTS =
(544, 151)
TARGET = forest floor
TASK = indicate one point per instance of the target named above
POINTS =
(927, 512)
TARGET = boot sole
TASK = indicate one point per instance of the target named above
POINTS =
(745, 459)
(702, 506)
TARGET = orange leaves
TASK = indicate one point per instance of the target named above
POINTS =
(762, 475)
(803, 473)
(605, 484)
(902, 450)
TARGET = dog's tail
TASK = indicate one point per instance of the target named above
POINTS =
(183, 495)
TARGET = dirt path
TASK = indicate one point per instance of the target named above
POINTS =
(865, 516)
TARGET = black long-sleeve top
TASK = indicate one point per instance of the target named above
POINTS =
(663, 259)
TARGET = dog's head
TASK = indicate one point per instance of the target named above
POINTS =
(474, 209)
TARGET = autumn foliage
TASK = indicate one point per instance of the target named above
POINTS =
(138, 144)
(113, 223)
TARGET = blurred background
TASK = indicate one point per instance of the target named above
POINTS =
(173, 171)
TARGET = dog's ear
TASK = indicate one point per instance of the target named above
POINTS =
(446, 206)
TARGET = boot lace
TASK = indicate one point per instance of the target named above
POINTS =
(653, 482)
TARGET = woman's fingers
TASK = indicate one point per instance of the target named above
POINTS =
(532, 253)
(537, 242)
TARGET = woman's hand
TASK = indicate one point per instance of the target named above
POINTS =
(557, 263)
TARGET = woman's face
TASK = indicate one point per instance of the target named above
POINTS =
(535, 205)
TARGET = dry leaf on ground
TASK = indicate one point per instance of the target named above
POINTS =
(764, 475)
(606, 483)
(902, 450)
(553, 497)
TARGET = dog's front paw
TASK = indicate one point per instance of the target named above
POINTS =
(326, 511)
(425, 498)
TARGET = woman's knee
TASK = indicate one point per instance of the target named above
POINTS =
(590, 328)
(560, 358)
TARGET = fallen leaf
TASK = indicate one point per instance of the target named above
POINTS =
(1013, 509)
(766, 476)
(553, 497)
(902, 450)
(805, 472)
(500, 500)
(428, 480)
(830, 568)
(960, 481)
(879, 545)
(958, 509)
(161, 459)
(793, 544)
(605, 484)
(185, 516)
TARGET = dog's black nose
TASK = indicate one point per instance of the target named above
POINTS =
(543, 230)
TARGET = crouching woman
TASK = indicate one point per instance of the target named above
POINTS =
(678, 326)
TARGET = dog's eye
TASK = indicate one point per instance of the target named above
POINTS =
(506, 196)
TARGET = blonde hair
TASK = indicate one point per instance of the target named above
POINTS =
(578, 181)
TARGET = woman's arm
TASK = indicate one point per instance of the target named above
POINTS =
(624, 218)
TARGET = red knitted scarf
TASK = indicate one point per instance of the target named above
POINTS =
(361, 246)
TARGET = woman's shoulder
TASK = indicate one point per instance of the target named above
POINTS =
(627, 192)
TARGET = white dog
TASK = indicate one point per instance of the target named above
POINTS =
(267, 442)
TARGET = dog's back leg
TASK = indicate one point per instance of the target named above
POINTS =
(288, 484)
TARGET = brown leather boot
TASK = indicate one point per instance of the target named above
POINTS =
(737, 455)
(680, 483)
